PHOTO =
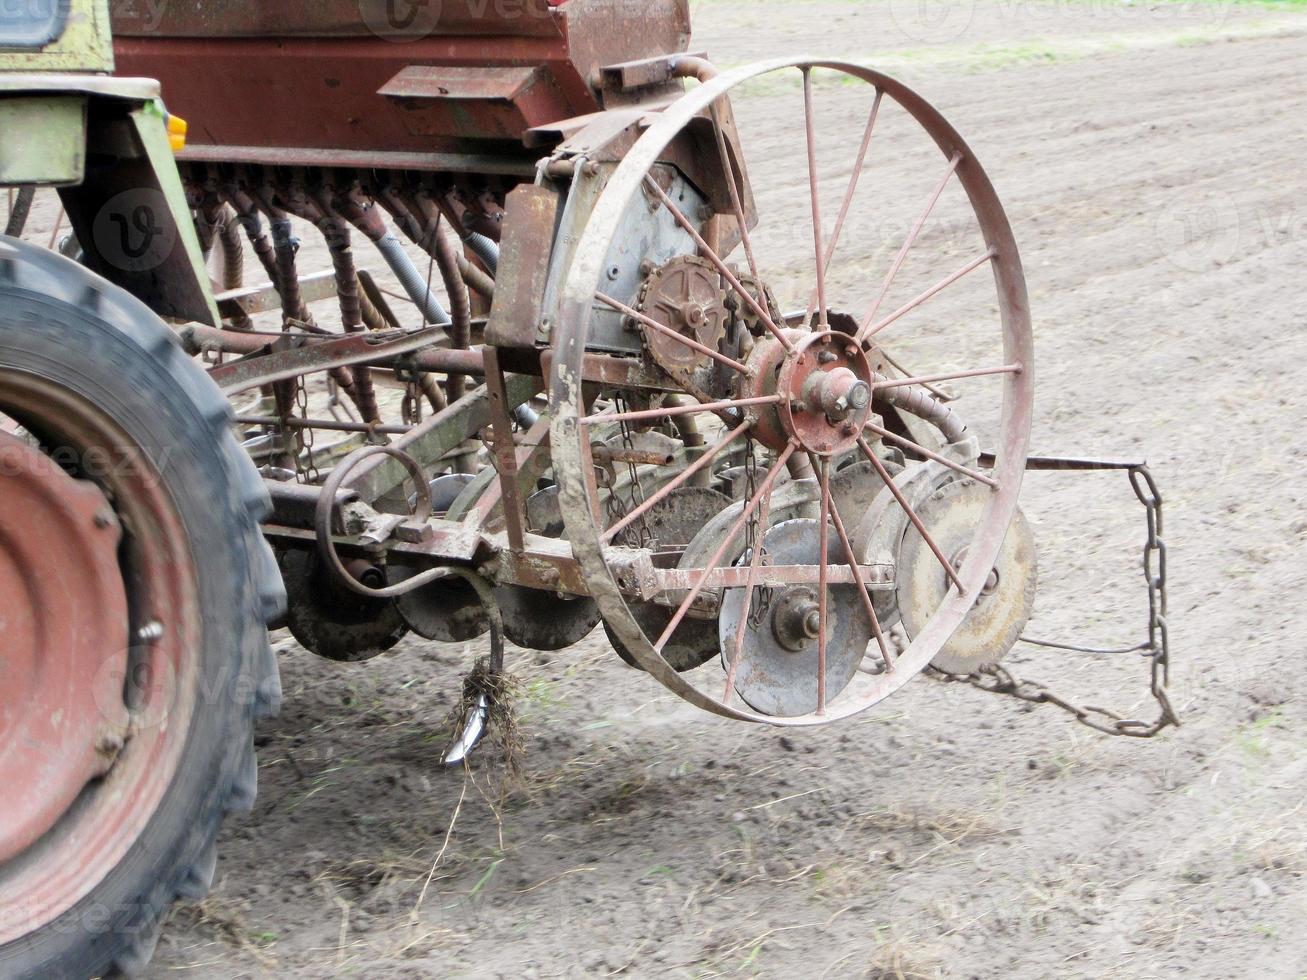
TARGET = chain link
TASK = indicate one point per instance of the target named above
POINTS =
(762, 600)
(999, 680)
(637, 488)
(303, 438)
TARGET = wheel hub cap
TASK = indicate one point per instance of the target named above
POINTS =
(64, 618)
(825, 383)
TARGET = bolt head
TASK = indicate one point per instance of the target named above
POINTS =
(826, 357)
(860, 395)
(151, 632)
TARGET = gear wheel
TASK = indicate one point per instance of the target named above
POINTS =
(686, 295)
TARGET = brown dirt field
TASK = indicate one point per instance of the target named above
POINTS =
(1152, 160)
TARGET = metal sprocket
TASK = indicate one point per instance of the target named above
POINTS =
(685, 295)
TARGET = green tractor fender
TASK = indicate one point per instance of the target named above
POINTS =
(106, 144)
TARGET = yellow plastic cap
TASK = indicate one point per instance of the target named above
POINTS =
(177, 128)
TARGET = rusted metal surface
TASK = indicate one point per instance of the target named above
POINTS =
(475, 103)
(440, 434)
(303, 77)
(60, 590)
(786, 669)
(830, 400)
(1007, 599)
(669, 526)
(609, 276)
(624, 372)
(531, 214)
(529, 466)
(874, 576)
(253, 300)
(501, 426)
(159, 571)
(305, 355)
(331, 621)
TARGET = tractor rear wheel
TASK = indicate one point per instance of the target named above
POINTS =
(134, 591)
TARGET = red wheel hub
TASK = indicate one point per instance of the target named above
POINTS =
(64, 619)
(825, 382)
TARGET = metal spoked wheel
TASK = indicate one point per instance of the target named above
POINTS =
(793, 404)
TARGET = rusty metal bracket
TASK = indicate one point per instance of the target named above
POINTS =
(309, 356)
(505, 454)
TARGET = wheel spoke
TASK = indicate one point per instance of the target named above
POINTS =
(819, 252)
(907, 245)
(647, 414)
(704, 460)
(667, 331)
(888, 480)
(729, 169)
(848, 198)
(939, 393)
(940, 286)
(881, 385)
(764, 491)
(868, 606)
(821, 587)
(717, 262)
(929, 454)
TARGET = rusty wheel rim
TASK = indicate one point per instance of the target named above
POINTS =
(143, 688)
(764, 411)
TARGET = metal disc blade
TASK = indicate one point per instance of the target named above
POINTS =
(778, 676)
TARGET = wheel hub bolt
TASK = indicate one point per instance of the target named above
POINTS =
(837, 393)
(796, 621)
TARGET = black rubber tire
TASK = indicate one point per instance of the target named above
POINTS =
(60, 321)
